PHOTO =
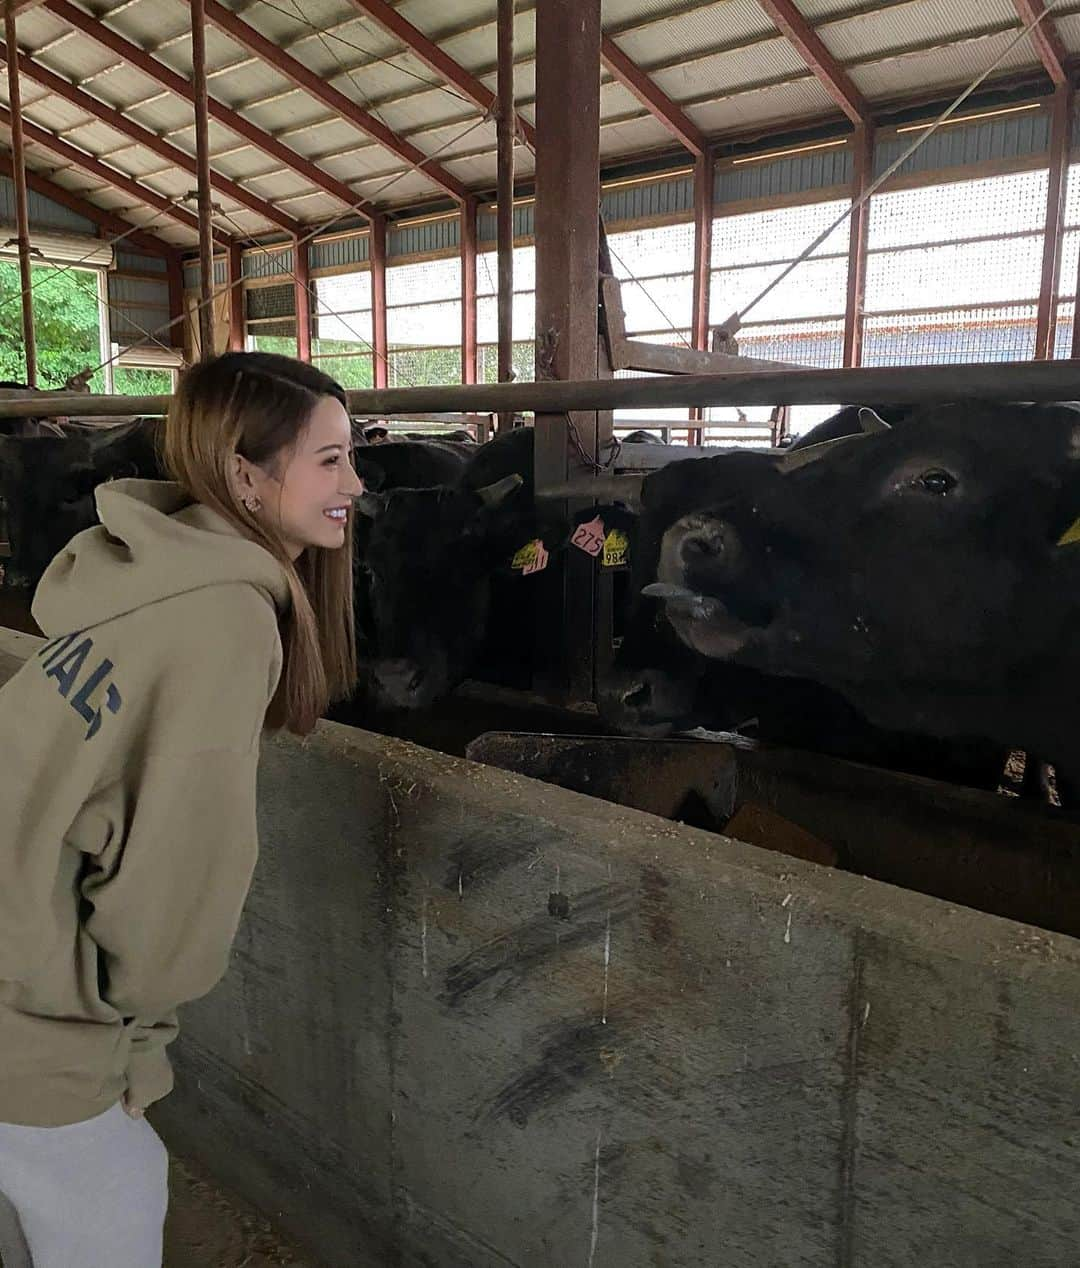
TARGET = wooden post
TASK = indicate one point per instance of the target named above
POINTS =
(22, 216)
(202, 157)
(378, 299)
(704, 184)
(175, 275)
(567, 279)
(469, 210)
(302, 272)
(1060, 143)
(854, 317)
(505, 212)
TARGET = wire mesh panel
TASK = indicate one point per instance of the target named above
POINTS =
(342, 334)
(953, 271)
(270, 319)
(523, 321)
(423, 323)
(1070, 265)
(802, 318)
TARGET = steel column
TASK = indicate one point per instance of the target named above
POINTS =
(469, 210)
(236, 299)
(858, 237)
(302, 291)
(567, 280)
(202, 158)
(1053, 235)
(22, 217)
(378, 300)
(505, 208)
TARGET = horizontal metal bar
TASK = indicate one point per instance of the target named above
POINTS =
(901, 384)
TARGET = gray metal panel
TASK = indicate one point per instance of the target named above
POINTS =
(268, 263)
(138, 290)
(339, 252)
(44, 213)
(443, 234)
(191, 274)
(965, 145)
(631, 203)
(793, 174)
(136, 262)
(487, 224)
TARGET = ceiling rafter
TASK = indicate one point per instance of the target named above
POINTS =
(1046, 39)
(652, 97)
(108, 220)
(811, 48)
(94, 167)
(312, 84)
(417, 43)
(139, 135)
(180, 87)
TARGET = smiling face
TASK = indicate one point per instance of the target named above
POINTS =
(304, 496)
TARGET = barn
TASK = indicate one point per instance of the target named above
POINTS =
(690, 877)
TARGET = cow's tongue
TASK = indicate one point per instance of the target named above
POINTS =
(701, 621)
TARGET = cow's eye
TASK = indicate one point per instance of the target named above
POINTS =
(937, 481)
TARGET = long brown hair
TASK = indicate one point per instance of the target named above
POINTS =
(257, 404)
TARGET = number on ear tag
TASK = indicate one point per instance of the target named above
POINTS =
(616, 545)
(589, 537)
(526, 555)
(539, 563)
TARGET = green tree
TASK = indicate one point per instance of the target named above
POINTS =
(67, 326)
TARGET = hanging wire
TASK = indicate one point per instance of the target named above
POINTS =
(359, 48)
(314, 232)
(651, 298)
(55, 272)
(327, 311)
(731, 326)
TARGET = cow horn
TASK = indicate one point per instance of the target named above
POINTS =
(369, 504)
(871, 421)
(793, 459)
(605, 488)
(494, 494)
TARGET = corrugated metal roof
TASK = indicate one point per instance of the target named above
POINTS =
(722, 60)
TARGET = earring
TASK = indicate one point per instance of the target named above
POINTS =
(252, 503)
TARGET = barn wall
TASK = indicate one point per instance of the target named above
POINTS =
(476, 1020)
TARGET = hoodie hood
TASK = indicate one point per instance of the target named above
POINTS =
(153, 543)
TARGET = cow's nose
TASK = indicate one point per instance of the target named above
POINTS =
(400, 680)
(712, 544)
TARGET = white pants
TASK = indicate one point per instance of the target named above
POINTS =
(88, 1195)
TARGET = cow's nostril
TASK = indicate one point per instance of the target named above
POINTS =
(638, 697)
(708, 546)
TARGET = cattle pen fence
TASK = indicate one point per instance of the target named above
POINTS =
(574, 432)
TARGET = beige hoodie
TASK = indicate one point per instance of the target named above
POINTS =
(128, 754)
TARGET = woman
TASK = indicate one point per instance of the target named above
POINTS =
(196, 611)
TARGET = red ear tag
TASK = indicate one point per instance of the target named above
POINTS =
(589, 537)
(539, 562)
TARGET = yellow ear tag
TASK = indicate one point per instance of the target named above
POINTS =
(526, 555)
(616, 545)
(1071, 534)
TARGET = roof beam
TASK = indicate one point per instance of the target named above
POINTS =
(1045, 38)
(316, 87)
(653, 98)
(120, 122)
(131, 53)
(435, 59)
(108, 220)
(87, 162)
(811, 48)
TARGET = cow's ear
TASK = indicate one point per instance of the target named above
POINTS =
(606, 532)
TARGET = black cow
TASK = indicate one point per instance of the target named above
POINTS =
(448, 574)
(928, 573)
(47, 485)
